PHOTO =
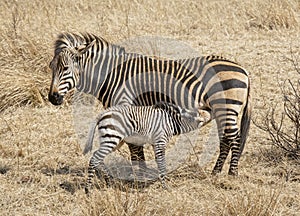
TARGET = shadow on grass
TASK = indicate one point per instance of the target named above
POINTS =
(4, 169)
(79, 179)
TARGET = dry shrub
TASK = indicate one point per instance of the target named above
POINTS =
(272, 14)
(284, 128)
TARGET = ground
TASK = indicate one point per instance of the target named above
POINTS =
(42, 168)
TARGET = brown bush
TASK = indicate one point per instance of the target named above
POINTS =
(284, 128)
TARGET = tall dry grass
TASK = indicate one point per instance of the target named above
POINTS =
(24, 69)
(27, 29)
(42, 169)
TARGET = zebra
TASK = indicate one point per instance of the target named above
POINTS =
(155, 124)
(217, 85)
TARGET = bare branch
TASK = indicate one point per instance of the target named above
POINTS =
(284, 129)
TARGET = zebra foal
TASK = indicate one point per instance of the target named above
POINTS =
(155, 125)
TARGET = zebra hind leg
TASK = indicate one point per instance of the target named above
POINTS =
(91, 172)
(229, 133)
(226, 145)
(235, 155)
(97, 161)
(224, 151)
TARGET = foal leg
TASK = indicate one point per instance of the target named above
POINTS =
(97, 162)
(159, 150)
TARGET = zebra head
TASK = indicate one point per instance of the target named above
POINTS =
(188, 118)
(197, 116)
(65, 68)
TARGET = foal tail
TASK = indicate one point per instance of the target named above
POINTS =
(89, 142)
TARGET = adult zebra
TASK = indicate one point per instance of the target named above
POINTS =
(211, 83)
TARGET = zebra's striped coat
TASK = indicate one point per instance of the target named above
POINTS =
(214, 84)
(138, 125)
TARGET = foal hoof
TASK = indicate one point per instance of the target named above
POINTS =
(87, 192)
(233, 172)
(215, 172)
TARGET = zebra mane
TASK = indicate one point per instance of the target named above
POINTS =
(212, 58)
(171, 109)
(73, 40)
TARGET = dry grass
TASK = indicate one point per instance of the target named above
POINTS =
(42, 169)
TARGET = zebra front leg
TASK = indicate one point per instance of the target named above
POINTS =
(159, 150)
(91, 173)
(137, 155)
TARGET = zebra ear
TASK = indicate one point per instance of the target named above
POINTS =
(53, 63)
(84, 47)
(189, 114)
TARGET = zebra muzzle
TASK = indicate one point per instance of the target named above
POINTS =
(55, 98)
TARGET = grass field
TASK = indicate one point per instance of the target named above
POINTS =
(42, 168)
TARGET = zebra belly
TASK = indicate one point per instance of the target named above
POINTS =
(138, 139)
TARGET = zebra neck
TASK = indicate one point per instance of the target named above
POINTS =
(113, 85)
(96, 69)
(181, 127)
(177, 129)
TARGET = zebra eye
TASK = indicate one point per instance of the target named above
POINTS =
(65, 68)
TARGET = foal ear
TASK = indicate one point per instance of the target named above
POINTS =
(53, 62)
(84, 47)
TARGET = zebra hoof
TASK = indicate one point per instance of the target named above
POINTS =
(215, 172)
(108, 181)
(233, 172)
(87, 191)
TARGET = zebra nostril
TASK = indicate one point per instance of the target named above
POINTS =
(55, 98)
(55, 94)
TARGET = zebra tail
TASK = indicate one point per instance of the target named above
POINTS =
(89, 142)
(245, 123)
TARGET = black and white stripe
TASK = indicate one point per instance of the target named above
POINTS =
(139, 125)
(115, 77)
